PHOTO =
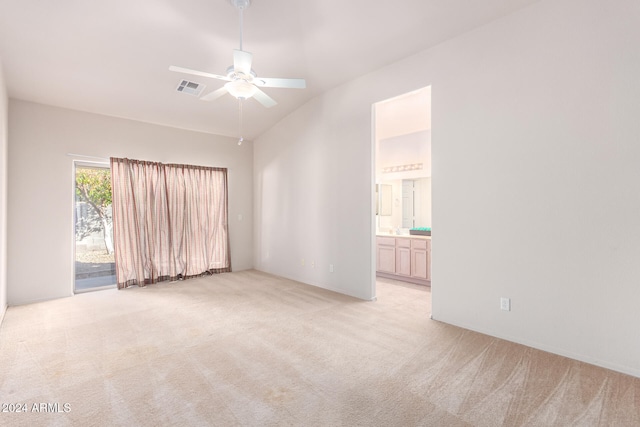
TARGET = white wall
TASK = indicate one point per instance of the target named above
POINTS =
(403, 150)
(313, 194)
(40, 237)
(536, 184)
(4, 111)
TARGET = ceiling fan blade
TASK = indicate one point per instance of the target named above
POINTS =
(242, 61)
(198, 73)
(264, 99)
(215, 94)
(275, 82)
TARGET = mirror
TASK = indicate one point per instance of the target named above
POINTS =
(416, 203)
(409, 202)
(384, 199)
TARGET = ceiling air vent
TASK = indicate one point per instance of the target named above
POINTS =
(192, 88)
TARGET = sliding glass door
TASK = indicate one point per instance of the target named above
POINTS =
(94, 259)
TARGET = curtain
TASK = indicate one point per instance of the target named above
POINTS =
(169, 221)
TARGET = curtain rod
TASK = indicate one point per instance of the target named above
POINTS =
(87, 157)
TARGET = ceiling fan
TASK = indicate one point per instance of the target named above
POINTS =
(242, 81)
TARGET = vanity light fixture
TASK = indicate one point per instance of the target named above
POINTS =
(402, 168)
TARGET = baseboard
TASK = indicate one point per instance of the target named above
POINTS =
(408, 279)
(37, 300)
(627, 370)
(4, 310)
(317, 285)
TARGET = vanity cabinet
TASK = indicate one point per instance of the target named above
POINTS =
(386, 255)
(404, 258)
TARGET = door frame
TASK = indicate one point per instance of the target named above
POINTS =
(373, 177)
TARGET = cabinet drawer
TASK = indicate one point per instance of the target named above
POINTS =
(386, 241)
(403, 243)
(420, 244)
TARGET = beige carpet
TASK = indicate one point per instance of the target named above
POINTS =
(251, 349)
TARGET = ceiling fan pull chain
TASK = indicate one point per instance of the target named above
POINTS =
(240, 120)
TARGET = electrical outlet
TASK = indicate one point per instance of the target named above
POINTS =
(313, 264)
(505, 304)
(330, 268)
(302, 262)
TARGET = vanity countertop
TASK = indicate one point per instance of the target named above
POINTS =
(406, 236)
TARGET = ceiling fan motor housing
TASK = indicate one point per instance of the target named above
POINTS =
(234, 75)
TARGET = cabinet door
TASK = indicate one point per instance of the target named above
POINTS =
(386, 259)
(403, 261)
(420, 264)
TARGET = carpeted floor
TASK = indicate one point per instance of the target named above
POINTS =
(252, 349)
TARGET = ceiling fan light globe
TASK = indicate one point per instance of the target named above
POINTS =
(241, 4)
(240, 89)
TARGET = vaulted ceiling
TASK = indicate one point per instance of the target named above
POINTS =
(113, 57)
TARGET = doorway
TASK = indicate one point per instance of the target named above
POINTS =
(402, 172)
(94, 261)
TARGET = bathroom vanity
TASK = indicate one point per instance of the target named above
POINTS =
(404, 257)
